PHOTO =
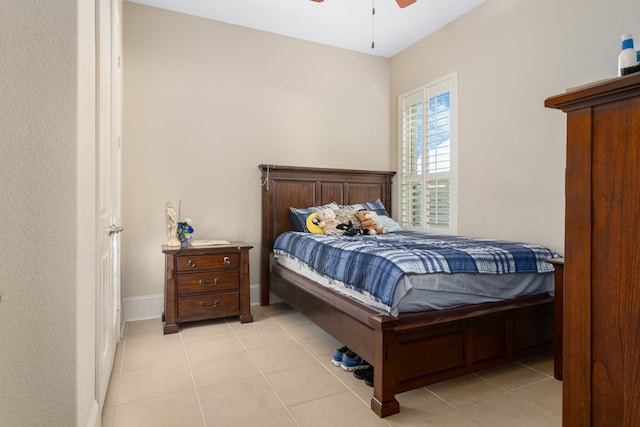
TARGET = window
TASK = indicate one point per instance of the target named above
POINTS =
(428, 146)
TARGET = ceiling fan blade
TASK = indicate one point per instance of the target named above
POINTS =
(403, 3)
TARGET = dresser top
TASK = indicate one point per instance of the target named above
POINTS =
(595, 93)
(192, 250)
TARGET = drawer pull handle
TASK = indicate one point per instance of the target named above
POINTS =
(215, 282)
(215, 304)
(191, 263)
(227, 261)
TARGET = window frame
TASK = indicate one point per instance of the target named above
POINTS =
(447, 83)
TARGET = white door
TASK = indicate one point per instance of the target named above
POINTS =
(108, 299)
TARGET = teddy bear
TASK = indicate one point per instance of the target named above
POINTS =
(328, 221)
(369, 225)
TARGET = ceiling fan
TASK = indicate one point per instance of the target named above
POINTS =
(401, 3)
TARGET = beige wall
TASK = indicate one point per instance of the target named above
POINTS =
(206, 102)
(510, 56)
(47, 277)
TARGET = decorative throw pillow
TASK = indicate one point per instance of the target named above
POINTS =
(385, 221)
(376, 206)
(345, 215)
(299, 216)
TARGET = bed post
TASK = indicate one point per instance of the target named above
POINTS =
(384, 402)
(267, 232)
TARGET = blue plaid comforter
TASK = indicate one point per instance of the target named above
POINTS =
(372, 265)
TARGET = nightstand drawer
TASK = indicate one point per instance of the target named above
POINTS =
(208, 282)
(208, 305)
(206, 262)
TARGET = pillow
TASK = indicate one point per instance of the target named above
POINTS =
(299, 216)
(385, 221)
(345, 215)
(375, 206)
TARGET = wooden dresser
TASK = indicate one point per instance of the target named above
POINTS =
(206, 283)
(601, 351)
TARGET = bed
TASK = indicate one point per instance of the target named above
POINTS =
(407, 350)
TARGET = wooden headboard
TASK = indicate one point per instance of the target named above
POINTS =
(301, 187)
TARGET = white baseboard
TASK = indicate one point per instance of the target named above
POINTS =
(143, 307)
(254, 290)
(151, 306)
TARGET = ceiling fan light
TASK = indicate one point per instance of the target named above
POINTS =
(403, 3)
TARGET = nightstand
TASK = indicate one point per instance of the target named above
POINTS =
(206, 283)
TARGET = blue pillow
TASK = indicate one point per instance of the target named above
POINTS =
(376, 206)
(299, 216)
(390, 223)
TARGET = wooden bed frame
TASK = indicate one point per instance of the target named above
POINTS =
(411, 350)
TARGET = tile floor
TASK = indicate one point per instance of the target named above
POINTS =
(277, 371)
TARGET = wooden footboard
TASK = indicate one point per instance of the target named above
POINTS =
(415, 350)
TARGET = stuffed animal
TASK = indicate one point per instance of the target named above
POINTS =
(369, 225)
(313, 223)
(328, 222)
(349, 229)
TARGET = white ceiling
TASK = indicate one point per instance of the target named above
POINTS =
(347, 24)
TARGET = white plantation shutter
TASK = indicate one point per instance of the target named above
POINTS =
(412, 139)
(438, 196)
(427, 157)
